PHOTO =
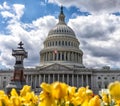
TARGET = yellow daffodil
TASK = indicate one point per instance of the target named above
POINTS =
(46, 98)
(95, 101)
(24, 90)
(14, 92)
(114, 89)
(59, 90)
(30, 99)
(4, 100)
(15, 101)
(70, 97)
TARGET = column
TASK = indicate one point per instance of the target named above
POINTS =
(27, 79)
(73, 79)
(63, 77)
(68, 56)
(87, 79)
(35, 80)
(48, 56)
(75, 57)
(64, 56)
(60, 56)
(44, 78)
(53, 78)
(78, 57)
(31, 80)
(45, 56)
(48, 78)
(82, 79)
(72, 56)
(67, 78)
(57, 55)
(77, 80)
(58, 77)
(40, 79)
(53, 56)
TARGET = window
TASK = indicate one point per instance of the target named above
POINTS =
(56, 43)
(105, 78)
(65, 43)
(62, 43)
(58, 56)
(99, 85)
(113, 77)
(53, 43)
(99, 77)
(59, 43)
(69, 43)
(62, 55)
(106, 84)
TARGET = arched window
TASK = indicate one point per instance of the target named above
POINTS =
(65, 43)
(59, 43)
(62, 55)
(58, 56)
(56, 43)
(62, 43)
(53, 43)
(69, 43)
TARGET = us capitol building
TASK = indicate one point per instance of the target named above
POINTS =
(61, 59)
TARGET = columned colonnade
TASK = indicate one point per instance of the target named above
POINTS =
(77, 80)
(61, 56)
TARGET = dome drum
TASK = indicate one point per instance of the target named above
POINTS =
(61, 42)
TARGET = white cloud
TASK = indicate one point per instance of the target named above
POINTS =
(4, 6)
(15, 11)
(99, 36)
(7, 14)
(92, 6)
(18, 10)
(32, 39)
(32, 35)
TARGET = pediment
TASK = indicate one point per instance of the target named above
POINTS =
(56, 67)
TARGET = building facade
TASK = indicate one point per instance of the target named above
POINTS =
(61, 59)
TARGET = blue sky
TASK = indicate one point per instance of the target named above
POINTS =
(96, 25)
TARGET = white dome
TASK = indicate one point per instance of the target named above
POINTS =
(61, 28)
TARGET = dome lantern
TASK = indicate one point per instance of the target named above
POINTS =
(61, 17)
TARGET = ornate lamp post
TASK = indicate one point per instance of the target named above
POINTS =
(18, 79)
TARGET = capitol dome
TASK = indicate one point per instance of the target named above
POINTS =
(61, 28)
(61, 46)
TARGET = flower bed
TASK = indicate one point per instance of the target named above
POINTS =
(61, 94)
